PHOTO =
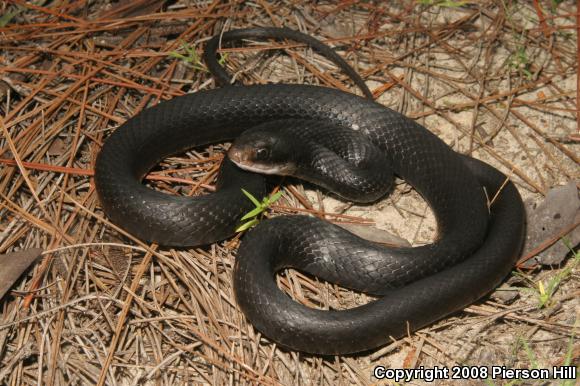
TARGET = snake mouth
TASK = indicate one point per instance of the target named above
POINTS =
(238, 156)
(245, 159)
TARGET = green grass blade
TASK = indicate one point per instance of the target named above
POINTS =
(247, 225)
(7, 17)
(252, 198)
(253, 213)
(275, 197)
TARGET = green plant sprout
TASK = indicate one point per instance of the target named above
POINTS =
(192, 57)
(554, 5)
(569, 358)
(545, 291)
(258, 210)
(520, 61)
(521, 342)
(7, 17)
(444, 3)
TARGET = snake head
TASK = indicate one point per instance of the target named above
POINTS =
(263, 150)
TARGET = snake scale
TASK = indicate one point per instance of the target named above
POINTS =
(475, 249)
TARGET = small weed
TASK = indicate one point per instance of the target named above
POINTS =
(545, 291)
(519, 343)
(192, 58)
(260, 208)
(7, 17)
(520, 61)
(531, 355)
(554, 5)
(568, 359)
(444, 3)
(533, 361)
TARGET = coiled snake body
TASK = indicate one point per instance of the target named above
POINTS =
(475, 248)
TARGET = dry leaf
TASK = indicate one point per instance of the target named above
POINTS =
(13, 265)
(560, 209)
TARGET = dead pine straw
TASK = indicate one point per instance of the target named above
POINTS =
(495, 79)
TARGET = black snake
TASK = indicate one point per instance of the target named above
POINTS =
(475, 248)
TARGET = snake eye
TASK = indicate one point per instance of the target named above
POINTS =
(262, 154)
